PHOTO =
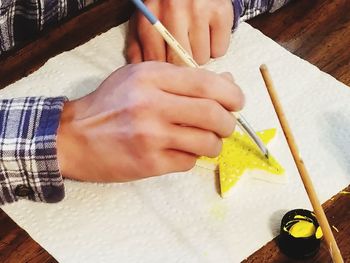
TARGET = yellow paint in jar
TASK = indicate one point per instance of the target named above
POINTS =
(302, 229)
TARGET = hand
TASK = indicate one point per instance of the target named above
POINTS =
(145, 120)
(202, 27)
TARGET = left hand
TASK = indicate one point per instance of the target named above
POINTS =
(202, 27)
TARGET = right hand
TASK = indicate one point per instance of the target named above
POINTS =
(146, 120)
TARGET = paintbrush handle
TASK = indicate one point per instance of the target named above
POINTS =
(320, 215)
(176, 47)
(189, 61)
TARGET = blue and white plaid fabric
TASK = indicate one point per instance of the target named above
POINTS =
(28, 157)
(22, 20)
(247, 9)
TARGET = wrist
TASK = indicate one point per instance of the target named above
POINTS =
(64, 142)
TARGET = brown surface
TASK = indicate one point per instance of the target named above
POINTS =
(337, 210)
(16, 245)
(318, 31)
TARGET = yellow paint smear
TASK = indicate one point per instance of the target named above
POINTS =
(239, 154)
(219, 211)
(319, 233)
(345, 192)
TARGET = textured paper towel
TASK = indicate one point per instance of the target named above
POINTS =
(180, 217)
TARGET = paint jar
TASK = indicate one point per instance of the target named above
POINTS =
(300, 234)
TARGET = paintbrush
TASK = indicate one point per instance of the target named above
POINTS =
(189, 61)
(320, 215)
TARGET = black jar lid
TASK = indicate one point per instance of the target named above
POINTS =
(299, 246)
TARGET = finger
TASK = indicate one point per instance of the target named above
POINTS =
(196, 83)
(198, 113)
(176, 161)
(152, 43)
(220, 29)
(178, 27)
(194, 141)
(228, 76)
(199, 36)
(133, 50)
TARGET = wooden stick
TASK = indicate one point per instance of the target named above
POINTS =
(320, 215)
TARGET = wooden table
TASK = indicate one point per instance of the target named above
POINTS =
(318, 31)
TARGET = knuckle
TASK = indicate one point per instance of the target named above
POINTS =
(131, 52)
(200, 90)
(144, 73)
(214, 145)
(239, 100)
(231, 128)
(208, 78)
(174, 59)
(205, 80)
(202, 58)
(138, 104)
(143, 138)
(234, 99)
(188, 163)
(150, 165)
(141, 22)
(158, 56)
(228, 76)
(171, 4)
(222, 9)
(213, 111)
(198, 8)
(139, 73)
(219, 50)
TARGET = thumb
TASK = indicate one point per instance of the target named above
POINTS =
(228, 76)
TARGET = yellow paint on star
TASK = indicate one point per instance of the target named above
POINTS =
(239, 154)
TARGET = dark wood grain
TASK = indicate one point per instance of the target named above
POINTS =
(318, 31)
(337, 210)
(17, 246)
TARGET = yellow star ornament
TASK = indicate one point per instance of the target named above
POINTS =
(239, 154)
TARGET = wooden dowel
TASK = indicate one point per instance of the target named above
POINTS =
(318, 210)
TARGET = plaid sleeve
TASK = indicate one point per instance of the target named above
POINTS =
(22, 20)
(28, 160)
(247, 9)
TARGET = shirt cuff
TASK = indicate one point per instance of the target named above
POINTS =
(237, 11)
(28, 154)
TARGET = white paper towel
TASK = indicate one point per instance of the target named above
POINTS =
(180, 217)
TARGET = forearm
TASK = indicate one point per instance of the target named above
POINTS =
(247, 9)
(28, 158)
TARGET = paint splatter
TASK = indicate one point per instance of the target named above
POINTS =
(335, 228)
(239, 154)
(218, 211)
